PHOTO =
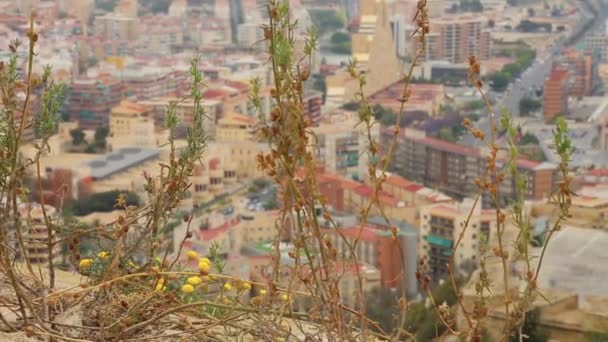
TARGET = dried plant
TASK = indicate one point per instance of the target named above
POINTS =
(131, 290)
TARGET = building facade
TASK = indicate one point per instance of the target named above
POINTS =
(90, 100)
(440, 228)
(555, 100)
(452, 168)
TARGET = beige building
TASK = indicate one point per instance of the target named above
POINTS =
(235, 128)
(375, 52)
(184, 111)
(119, 27)
(131, 124)
(440, 227)
(341, 145)
(36, 234)
(458, 37)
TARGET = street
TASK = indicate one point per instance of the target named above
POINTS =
(535, 75)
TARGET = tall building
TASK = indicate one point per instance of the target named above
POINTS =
(580, 72)
(597, 43)
(313, 101)
(555, 94)
(442, 224)
(459, 37)
(90, 100)
(452, 168)
(375, 53)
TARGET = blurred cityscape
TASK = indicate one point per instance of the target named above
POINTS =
(123, 62)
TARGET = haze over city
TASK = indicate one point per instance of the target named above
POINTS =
(127, 67)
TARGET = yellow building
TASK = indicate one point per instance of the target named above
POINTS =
(375, 52)
(441, 225)
(131, 124)
(184, 111)
(235, 127)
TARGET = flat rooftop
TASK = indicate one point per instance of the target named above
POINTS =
(576, 261)
(120, 161)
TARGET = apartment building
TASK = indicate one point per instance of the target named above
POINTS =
(426, 97)
(458, 37)
(146, 82)
(452, 168)
(341, 145)
(116, 26)
(235, 128)
(90, 100)
(313, 101)
(377, 247)
(211, 177)
(555, 100)
(184, 112)
(597, 43)
(35, 237)
(160, 33)
(440, 227)
(132, 124)
(580, 72)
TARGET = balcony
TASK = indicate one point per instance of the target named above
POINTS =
(438, 241)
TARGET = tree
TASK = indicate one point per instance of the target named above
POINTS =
(320, 85)
(352, 106)
(381, 306)
(340, 37)
(386, 116)
(326, 20)
(271, 204)
(528, 139)
(101, 133)
(102, 202)
(531, 329)
(474, 105)
(514, 69)
(341, 49)
(106, 5)
(499, 81)
(528, 105)
(78, 136)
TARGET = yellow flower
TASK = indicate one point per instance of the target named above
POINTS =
(131, 264)
(85, 263)
(194, 281)
(227, 287)
(192, 255)
(160, 287)
(263, 292)
(284, 297)
(103, 255)
(246, 286)
(204, 266)
(203, 259)
(161, 281)
(187, 288)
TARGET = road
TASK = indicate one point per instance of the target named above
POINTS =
(535, 75)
